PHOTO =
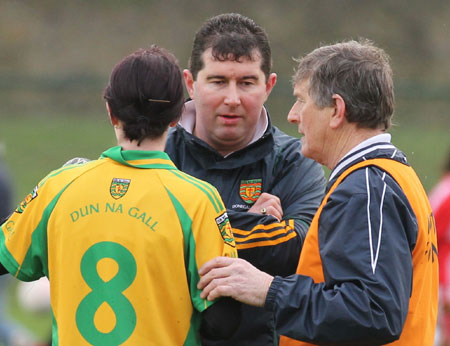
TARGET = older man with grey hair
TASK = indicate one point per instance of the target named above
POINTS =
(368, 271)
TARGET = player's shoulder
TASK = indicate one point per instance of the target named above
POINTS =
(190, 181)
(192, 187)
(56, 181)
(69, 171)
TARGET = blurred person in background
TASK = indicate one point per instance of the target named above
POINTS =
(6, 208)
(122, 237)
(6, 195)
(11, 332)
(440, 203)
(226, 137)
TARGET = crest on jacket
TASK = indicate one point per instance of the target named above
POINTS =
(250, 190)
(119, 187)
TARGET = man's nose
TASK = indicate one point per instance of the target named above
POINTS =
(294, 115)
(232, 97)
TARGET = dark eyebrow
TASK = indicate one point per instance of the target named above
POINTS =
(215, 77)
(252, 77)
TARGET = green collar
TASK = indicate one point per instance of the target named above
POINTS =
(161, 159)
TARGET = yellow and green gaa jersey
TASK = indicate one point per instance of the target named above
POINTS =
(121, 240)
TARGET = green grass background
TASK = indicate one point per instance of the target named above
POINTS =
(35, 145)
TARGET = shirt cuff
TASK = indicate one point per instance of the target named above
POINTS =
(269, 304)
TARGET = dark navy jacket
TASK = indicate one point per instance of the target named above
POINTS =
(367, 231)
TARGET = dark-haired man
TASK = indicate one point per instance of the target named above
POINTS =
(225, 136)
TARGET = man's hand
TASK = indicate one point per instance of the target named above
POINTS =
(76, 161)
(268, 204)
(236, 278)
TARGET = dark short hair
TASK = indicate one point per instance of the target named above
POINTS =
(359, 72)
(231, 36)
(145, 92)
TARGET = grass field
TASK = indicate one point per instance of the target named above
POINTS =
(35, 145)
(426, 150)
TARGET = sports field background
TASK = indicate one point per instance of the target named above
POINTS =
(33, 146)
(55, 58)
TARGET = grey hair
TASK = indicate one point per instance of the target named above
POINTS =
(359, 72)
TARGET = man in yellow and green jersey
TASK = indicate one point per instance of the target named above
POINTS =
(121, 239)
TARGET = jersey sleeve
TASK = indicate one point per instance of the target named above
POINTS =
(23, 237)
(212, 237)
(366, 239)
(206, 229)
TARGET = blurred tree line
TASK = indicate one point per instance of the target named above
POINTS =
(55, 56)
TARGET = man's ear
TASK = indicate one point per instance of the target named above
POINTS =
(338, 116)
(270, 83)
(112, 119)
(189, 82)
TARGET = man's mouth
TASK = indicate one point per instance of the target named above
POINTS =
(229, 119)
(230, 116)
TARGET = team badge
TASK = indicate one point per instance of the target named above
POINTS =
(250, 190)
(225, 229)
(119, 187)
(32, 195)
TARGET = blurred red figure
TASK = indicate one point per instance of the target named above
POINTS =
(440, 203)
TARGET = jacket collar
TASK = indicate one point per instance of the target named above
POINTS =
(139, 158)
(187, 121)
(261, 145)
(379, 146)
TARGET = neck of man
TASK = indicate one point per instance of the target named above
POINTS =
(345, 140)
(147, 144)
(224, 149)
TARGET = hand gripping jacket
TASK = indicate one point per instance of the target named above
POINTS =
(371, 318)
